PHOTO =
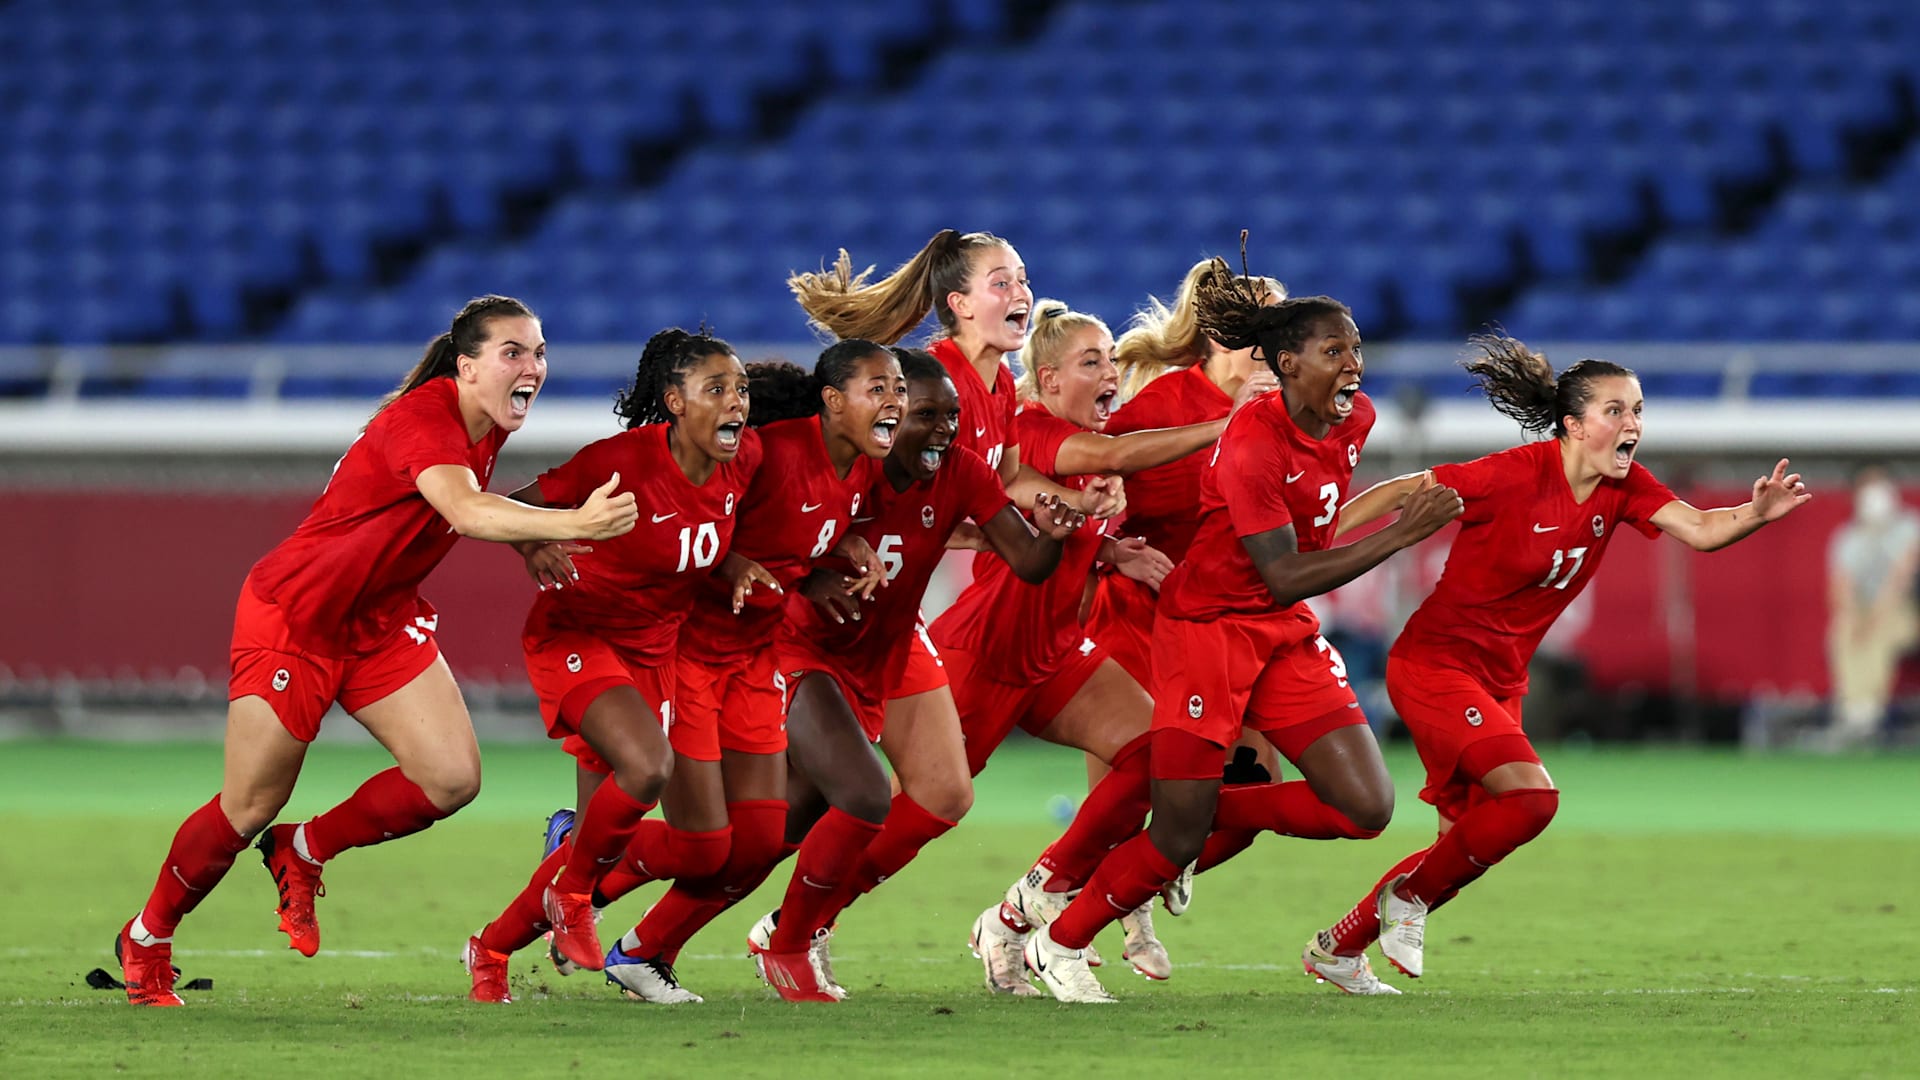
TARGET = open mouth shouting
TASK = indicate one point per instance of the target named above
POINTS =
(883, 432)
(1623, 454)
(521, 399)
(933, 457)
(728, 435)
(1017, 317)
(1343, 397)
(1103, 405)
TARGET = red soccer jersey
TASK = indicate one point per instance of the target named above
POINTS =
(351, 572)
(1265, 473)
(909, 531)
(795, 510)
(1163, 503)
(1019, 632)
(634, 590)
(1524, 551)
(986, 415)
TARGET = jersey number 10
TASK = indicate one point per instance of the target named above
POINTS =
(698, 549)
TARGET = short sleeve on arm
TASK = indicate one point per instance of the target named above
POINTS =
(1645, 495)
(1250, 459)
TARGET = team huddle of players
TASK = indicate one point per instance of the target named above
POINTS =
(728, 621)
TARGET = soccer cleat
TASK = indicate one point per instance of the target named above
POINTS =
(998, 950)
(489, 971)
(146, 970)
(562, 966)
(1029, 903)
(576, 934)
(796, 976)
(1143, 950)
(1403, 930)
(299, 883)
(1063, 971)
(1352, 974)
(559, 827)
(760, 940)
(642, 979)
(1177, 894)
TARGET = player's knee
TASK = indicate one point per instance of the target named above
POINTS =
(451, 786)
(868, 802)
(645, 777)
(949, 802)
(1370, 814)
(703, 855)
(252, 811)
(1533, 810)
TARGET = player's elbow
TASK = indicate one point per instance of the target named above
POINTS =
(1037, 567)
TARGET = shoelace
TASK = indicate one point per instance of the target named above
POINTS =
(822, 960)
(1004, 956)
(664, 972)
(1141, 919)
(1082, 979)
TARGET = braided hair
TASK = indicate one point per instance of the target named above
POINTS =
(667, 356)
(1233, 311)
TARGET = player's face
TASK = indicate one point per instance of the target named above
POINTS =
(1086, 385)
(1325, 373)
(709, 406)
(867, 409)
(507, 374)
(926, 431)
(998, 300)
(1609, 431)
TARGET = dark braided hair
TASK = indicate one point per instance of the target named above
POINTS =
(782, 390)
(1233, 311)
(916, 364)
(464, 338)
(1520, 384)
(668, 355)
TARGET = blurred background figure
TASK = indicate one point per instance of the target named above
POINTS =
(1872, 623)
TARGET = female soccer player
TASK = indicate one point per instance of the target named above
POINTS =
(1017, 654)
(1235, 643)
(843, 662)
(334, 614)
(600, 638)
(820, 464)
(976, 286)
(1538, 520)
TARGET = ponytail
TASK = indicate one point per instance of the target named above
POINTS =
(464, 338)
(842, 304)
(1520, 384)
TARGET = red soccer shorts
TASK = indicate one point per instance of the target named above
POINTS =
(737, 704)
(1214, 678)
(1448, 712)
(990, 710)
(800, 657)
(300, 685)
(570, 668)
(1121, 618)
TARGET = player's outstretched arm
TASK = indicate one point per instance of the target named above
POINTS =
(1379, 500)
(1091, 452)
(1774, 497)
(1293, 575)
(455, 493)
(1031, 555)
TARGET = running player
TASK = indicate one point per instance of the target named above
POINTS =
(1538, 520)
(820, 465)
(600, 638)
(841, 668)
(1235, 643)
(334, 613)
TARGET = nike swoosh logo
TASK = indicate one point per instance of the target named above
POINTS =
(658, 518)
(812, 884)
(1116, 905)
(183, 880)
(1296, 476)
(808, 508)
(1539, 528)
(979, 433)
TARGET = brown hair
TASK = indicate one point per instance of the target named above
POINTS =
(464, 338)
(1520, 383)
(841, 303)
(1160, 338)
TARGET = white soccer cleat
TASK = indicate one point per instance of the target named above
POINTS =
(1143, 950)
(643, 979)
(998, 950)
(1029, 902)
(1063, 971)
(1403, 930)
(1352, 974)
(1177, 894)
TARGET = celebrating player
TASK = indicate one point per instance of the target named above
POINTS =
(334, 613)
(1538, 520)
(841, 669)
(600, 638)
(819, 466)
(1235, 643)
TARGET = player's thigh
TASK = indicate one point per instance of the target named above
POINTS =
(828, 746)
(425, 726)
(262, 761)
(754, 777)
(1109, 711)
(922, 741)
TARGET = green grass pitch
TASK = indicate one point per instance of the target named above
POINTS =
(1688, 914)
